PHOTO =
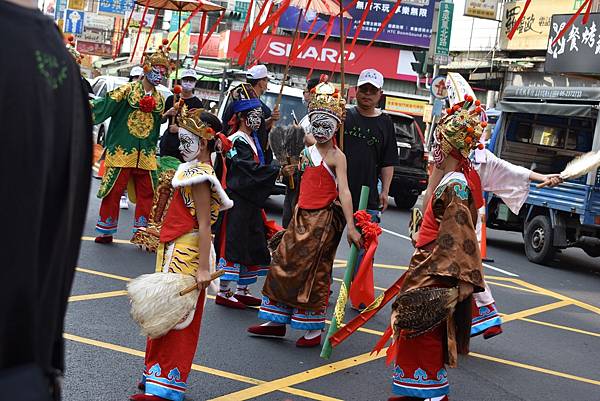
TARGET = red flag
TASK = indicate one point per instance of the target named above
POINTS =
(210, 33)
(362, 290)
(247, 19)
(200, 43)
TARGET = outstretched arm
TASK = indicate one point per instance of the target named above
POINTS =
(346, 197)
(201, 196)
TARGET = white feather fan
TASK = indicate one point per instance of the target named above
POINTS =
(581, 165)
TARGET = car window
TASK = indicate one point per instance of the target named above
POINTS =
(405, 130)
(288, 104)
(99, 88)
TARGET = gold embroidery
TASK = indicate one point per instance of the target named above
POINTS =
(118, 94)
(140, 124)
(138, 92)
(119, 158)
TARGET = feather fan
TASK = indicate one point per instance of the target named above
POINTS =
(581, 165)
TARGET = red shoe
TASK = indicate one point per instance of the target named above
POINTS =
(223, 301)
(278, 331)
(247, 299)
(492, 332)
(104, 239)
(304, 342)
(144, 397)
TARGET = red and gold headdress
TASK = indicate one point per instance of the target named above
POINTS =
(158, 58)
(191, 121)
(325, 98)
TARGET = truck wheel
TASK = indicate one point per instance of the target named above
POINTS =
(538, 240)
(405, 201)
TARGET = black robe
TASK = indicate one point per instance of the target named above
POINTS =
(45, 163)
(249, 185)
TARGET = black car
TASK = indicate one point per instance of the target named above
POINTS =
(410, 177)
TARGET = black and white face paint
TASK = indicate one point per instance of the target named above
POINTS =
(253, 118)
(189, 145)
(322, 126)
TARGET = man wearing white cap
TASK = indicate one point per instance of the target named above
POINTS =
(370, 147)
(169, 142)
(136, 73)
(258, 77)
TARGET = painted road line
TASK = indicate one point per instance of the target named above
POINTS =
(342, 263)
(557, 295)
(558, 326)
(115, 240)
(514, 287)
(535, 311)
(99, 273)
(484, 264)
(535, 368)
(199, 368)
(99, 295)
(377, 288)
(298, 378)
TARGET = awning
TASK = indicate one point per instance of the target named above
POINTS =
(554, 109)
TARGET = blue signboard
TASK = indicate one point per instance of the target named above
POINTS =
(74, 22)
(115, 6)
(59, 9)
(410, 25)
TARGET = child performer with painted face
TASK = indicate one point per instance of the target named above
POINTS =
(241, 236)
(296, 290)
(446, 256)
(185, 248)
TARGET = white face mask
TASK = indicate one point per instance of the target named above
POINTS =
(253, 119)
(322, 127)
(189, 145)
(188, 86)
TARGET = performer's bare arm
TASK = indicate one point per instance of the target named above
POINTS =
(338, 162)
(549, 180)
(386, 180)
(201, 195)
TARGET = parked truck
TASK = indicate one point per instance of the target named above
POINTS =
(543, 129)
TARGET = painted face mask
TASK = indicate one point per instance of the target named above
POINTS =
(155, 76)
(189, 145)
(322, 127)
(188, 85)
(437, 152)
(253, 119)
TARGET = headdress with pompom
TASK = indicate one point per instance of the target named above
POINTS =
(325, 98)
(192, 122)
(160, 57)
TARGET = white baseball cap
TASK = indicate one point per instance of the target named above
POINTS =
(189, 73)
(257, 72)
(136, 71)
(370, 76)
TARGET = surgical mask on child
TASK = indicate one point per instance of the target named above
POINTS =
(322, 127)
(253, 119)
(189, 145)
(154, 76)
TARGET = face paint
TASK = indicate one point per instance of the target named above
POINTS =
(438, 153)
(188, 85)
(189, 145)
(253, 119)
(155, 76)
(322, 127)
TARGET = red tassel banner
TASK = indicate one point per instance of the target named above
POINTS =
(381, 28)
(210, 33)
(149, 36)
(247, 19)
(359, 27)
(137, 38)
(118, 49)
(187, 21)
(586, 3)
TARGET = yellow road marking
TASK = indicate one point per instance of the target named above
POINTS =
(199, 368)
(298, 378)
(115, 240)
(535, 311)
(99, 295)
(535, 368)
(558, 326)
(514, 287)
(342, 263)
(557, 295)
(99, 273)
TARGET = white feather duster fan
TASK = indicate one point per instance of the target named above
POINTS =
(579, 166)
(161, 302)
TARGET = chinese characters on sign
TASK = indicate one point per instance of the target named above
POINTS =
(410, 25)
(481, 8)
(578, 50)
(115, 6)
(442, 43)
(532, 33)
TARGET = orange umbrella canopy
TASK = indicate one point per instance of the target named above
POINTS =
(181, 5)
(326, 7)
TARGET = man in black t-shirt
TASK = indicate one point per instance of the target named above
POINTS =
(370, 144)
(370, 147)
(169, 141)
(45, 159)
(258, 77)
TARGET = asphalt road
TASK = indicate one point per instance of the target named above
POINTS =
(550, 348)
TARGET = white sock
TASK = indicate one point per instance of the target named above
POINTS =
(269, 323)
(242, 290)
(310, 334)
(224, 291)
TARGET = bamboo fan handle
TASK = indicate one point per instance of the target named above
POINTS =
(191, 288)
